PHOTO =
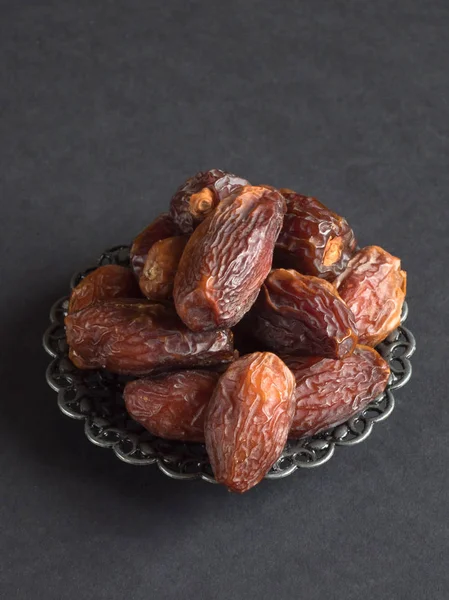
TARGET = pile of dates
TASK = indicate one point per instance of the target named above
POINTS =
(248, 315)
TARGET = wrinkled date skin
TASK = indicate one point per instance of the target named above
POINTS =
(328, 392)
(161, 228)
(138, 338)
(313, 240)
(227, 259)
(300, 314)
(107, 282)
(248, 419)
(199, 195)
(172, 406)
(158, 275)
(374, 288)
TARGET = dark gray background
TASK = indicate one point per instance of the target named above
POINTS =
(106, 107)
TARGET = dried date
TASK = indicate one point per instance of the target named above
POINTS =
(161, 228)
(77, 360)
(158, 275)
(227, 259)
(107, 282)
(248, 419)
(374, 288)
(200, 194)
(313, 240)
(301, 314)
(138, 338)
(172, 406)
(328, 392)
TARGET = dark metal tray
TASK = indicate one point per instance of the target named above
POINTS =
(95, 397)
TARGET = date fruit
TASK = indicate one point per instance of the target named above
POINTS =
(248, 419)
(313, 240)
(161, 228)
(172, 406)
(199, 195)
(374, 288)
(158, 275)
(300, 314)
(227, 259)
(107, 282)
(138, 338)
(328, 392)
(77, 360)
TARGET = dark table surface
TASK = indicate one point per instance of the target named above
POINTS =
(106, 107)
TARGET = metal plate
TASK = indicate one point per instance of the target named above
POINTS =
(95, 397)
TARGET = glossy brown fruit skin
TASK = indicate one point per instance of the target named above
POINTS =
(161, 228)
(328, 392)
(374, 288)
(227, 259)
(248, 419)
(78, 361)
(172, 406)
(313, 240)
(158, 275)
(198, 196)
(107, 282)
(138, 338)
(300, 314)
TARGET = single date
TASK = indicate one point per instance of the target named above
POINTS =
(138, 338)
(302, 314)
(313, 240)
(374, 287)
(198, 196)
(248, 419)
(227, 259)
(328, 392)
(172, 406)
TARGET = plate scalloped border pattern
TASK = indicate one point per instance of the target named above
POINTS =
(95, 397)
